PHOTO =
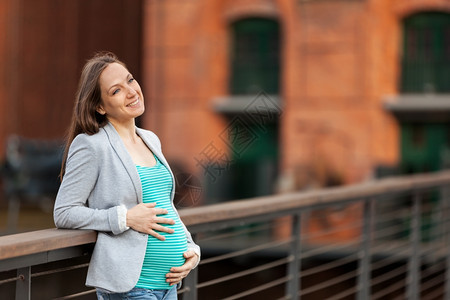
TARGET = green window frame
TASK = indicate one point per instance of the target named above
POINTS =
(426, 53)
(255, 56)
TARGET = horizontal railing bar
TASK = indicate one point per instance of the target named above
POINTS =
(330, 265)
(439, 235)
(390, 236)
(385, 263)
(77, 295)
(382, 233)
(393, 215)
(12, 279)
(260, 288)
(388, 213)
(431, 271)
(390, 289)
(442, 225)
(433, 248)
(399, 298)
(235, 233)
(230, 223)
(329, 282)
(390, 246)
(260, 268)
(431, 283)
(308, 236)
(389, 275)
(331, 247)
(392, 233)
(439, 253)
(183, 290)
(394, 224)
(392, 249)
(343, 294)
(244, 251)
(60, 270)
(436, 294)
(434, 264)
(387, 234)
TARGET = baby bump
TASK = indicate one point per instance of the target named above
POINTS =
(170, 251)
(161, 256)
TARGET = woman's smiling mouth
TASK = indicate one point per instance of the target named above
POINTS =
(133, 103)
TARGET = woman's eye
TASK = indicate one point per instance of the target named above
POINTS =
(115, 91)
(130, 80)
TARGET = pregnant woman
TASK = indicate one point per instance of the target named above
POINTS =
(115, 180)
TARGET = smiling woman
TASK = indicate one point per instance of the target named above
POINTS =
(122, 98)
(115, 180)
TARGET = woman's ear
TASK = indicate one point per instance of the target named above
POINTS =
(100, 110)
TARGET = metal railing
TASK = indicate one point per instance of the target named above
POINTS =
(385, 239)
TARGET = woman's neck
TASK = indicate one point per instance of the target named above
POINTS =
(127, 131)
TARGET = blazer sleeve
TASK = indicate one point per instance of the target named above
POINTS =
(71, 205)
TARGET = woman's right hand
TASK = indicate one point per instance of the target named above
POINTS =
(144, 218)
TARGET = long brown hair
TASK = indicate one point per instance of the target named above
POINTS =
(85, 118)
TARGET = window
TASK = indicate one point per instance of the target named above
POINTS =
(426, 53)
(255, 60)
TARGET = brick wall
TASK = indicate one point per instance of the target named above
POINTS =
(340, 59)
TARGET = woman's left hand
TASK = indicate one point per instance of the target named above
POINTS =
(178, 273)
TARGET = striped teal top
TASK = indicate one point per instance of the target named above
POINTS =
(160, 255)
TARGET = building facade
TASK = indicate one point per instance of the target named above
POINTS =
(249, 97)
(333, 73)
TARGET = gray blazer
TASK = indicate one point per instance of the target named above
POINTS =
(100, 176)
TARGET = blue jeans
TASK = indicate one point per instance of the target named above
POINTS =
(140, 294)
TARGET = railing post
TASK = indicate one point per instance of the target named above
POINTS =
(445, 196)
(190, 282)
(293, 286)
(364, 253)
(414, 260)
(23, 284)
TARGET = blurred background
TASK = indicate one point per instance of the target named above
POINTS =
(249, 97)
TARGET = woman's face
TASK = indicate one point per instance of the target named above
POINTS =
(122, 98)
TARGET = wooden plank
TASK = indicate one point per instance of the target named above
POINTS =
(43, 240)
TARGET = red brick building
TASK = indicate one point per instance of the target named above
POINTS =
(325, 68)
(339, 62)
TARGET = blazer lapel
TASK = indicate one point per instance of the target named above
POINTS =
(152, 144)
(124, 156)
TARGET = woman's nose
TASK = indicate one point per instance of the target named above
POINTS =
(131, 91)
